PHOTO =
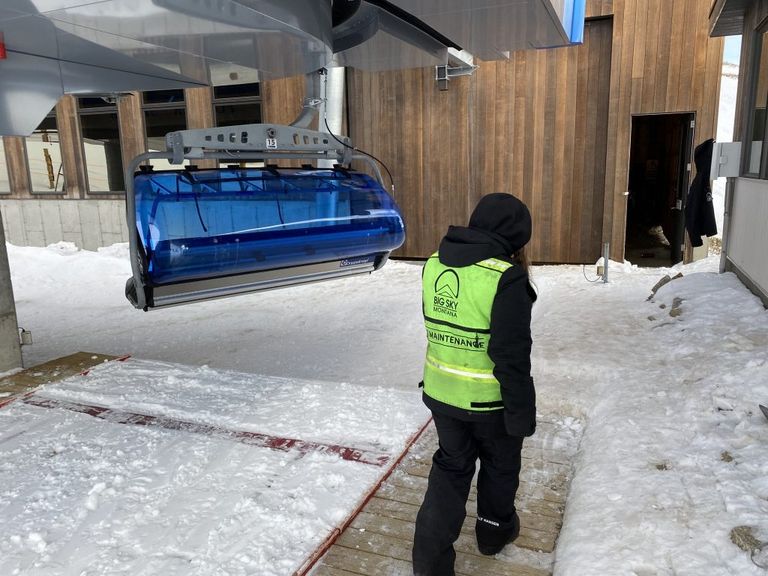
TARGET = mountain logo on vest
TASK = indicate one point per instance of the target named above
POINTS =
(446, 299)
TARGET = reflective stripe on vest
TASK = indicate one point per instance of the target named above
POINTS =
(457, 306)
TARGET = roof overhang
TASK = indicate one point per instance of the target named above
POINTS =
(726, 17)
(56, 47)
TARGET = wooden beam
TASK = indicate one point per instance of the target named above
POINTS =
(200, 115)
(132, 129)
(72, 150)
(19, 180)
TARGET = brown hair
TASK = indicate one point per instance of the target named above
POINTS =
(521, 257)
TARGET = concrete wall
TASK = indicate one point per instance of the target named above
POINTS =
(747, 235)
(90, 224)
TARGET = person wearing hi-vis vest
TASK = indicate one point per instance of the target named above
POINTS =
(477, 300)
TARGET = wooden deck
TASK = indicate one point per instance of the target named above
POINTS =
(25, 381)
(378, 541)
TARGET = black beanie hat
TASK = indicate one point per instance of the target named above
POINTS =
(505, 216)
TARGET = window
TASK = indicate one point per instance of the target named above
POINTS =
(46, 168)
(5, 185)
(101, 142)
(160, 122)
(755, 152)
(237, 91)
(237, 104)
(164, 111)
(166, 97)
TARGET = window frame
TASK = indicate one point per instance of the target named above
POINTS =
(107, 108)
(159, 107)
(237, 100)
(759, 42)
(4, 166)
(55, 193)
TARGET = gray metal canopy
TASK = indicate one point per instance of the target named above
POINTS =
(53, 47)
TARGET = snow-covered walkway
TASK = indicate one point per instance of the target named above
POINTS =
(674, 454)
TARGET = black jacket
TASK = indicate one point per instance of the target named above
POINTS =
(510, 340)
(699, 211)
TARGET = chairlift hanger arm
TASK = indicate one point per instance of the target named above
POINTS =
(257, 141)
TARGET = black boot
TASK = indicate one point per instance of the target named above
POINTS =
(491, 539)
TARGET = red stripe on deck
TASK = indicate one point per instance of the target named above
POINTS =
(5, 401)
(251, 438)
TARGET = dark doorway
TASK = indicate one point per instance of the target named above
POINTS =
(659, 171)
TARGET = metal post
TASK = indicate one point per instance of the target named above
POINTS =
(10, 350)
(606, 258)
(332, 107)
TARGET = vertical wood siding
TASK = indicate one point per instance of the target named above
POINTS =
(199, 104)
(551, 126)
(281, 100)
(535, 126)
(540, 132)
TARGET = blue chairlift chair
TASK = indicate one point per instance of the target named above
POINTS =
(202, 234)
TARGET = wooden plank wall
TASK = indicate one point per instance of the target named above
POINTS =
(132, 128)
(200, 115)
(663, 61)
(534, 126)
(540, 133)
(422, 135)
(553, 126)
(281, 100)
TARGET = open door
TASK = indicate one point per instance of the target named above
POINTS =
(659, 175)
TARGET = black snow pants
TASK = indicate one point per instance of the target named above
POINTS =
(442, 513)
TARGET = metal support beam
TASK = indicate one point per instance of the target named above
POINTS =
(460, 63)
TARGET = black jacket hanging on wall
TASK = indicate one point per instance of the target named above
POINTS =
(699, 211)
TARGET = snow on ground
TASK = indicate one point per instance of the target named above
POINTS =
(329, 331)
(674, 454)
(83, 496)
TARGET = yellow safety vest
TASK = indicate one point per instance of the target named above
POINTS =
(457, 306)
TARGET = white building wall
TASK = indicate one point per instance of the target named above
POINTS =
(747, 234)
(89, 224)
